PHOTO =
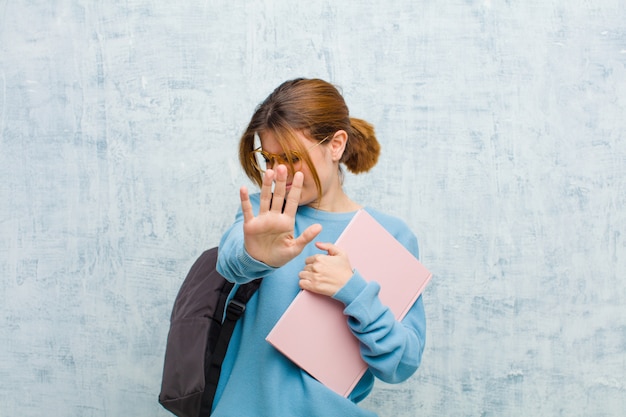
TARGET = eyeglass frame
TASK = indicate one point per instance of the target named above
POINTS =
(281, 159)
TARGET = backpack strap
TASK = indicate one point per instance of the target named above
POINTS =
(234, 310)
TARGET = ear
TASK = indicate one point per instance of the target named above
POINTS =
(337, 144)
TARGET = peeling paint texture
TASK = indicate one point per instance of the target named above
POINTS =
(503, 127)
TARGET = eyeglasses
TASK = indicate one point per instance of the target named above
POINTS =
(262, 160)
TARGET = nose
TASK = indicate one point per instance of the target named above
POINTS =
(274, 161)
(278, 160)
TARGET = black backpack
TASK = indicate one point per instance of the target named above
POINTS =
(200, 329)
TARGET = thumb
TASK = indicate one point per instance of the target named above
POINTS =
(332, 249)
(308, 235)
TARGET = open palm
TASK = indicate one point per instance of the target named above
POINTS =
(269, 237)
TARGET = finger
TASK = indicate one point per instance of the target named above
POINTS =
(305, 281)
(308, 235)
(293, 199)
(266, 191)
(246, 206)
(278, 197)
(309, 264)
(304, 284)
(332, 249)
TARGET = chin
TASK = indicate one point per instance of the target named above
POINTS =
(306, 200)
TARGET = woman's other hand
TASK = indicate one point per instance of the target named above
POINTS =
(326, 274)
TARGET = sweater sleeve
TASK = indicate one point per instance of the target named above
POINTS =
(233, 261)
(392, 349)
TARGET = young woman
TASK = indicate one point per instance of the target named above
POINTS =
(284, 234)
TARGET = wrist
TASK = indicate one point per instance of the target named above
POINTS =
(353, 286)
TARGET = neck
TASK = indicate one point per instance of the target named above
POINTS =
(337, 202)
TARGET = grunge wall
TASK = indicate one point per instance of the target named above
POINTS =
(504, 148)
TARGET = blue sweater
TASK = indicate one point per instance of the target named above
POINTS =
(257, 380)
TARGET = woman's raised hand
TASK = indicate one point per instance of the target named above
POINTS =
(269, 237)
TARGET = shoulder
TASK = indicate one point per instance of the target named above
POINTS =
(255, 201)
(398, 229)
(393, 224)
(255, 198)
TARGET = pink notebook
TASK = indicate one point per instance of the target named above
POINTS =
(313, 332)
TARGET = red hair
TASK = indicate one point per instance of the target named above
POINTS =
(317, 109)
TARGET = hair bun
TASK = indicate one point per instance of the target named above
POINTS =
(362, 149)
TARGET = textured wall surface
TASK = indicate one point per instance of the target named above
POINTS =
(504, 147)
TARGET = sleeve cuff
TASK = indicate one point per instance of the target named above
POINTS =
(252, 265)
(351, 290)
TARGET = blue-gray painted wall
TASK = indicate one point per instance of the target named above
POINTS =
(503, 132)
